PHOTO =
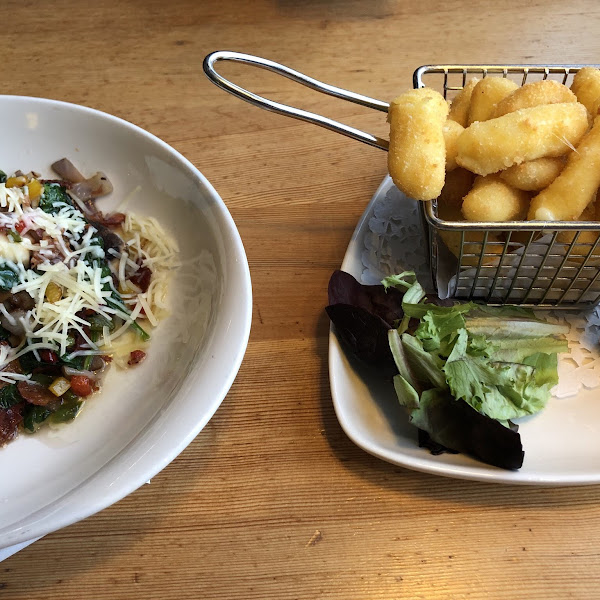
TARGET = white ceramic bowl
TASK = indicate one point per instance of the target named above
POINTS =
(143, 418)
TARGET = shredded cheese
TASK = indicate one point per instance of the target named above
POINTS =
(64, 256)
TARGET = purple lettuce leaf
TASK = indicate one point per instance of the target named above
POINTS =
(387, 305)
(364, 335)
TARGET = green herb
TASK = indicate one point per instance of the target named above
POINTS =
(54, 198)
(77, 362)
(70, 406)
(9, 396)
(9, 275)
(45, 380)
(34, 415)
(115, 301)
(14, 235)
(29, 362)
(3, 177)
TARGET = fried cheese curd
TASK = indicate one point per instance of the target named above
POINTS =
(508, 152)
(417, 152)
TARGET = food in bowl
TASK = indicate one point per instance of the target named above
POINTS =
(79, 290)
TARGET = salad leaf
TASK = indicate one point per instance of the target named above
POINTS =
(456, 425)
(428, 367)
(401, 359)
(364, 335)
(464, 371)
(387, 305)
(495, 389)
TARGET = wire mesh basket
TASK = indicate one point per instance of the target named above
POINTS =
(544, 264)
(550, 264)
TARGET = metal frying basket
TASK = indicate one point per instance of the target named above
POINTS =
(543, 264)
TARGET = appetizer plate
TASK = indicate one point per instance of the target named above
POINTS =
(562, 443)
(143, 417)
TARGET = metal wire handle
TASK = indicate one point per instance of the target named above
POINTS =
(290, 111)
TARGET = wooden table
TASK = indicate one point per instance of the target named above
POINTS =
(272, 500)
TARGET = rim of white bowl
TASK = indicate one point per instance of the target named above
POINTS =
(82, 501)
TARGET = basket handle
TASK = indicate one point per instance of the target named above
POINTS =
(290, 111)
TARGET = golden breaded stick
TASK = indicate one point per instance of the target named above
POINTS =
(589, 214)
(536, 93)
(492, 199)
(417, 153)
(486, 95)
(585, 239)
(569, 194)
(533, 175)
(459, 109)
(526, 134)
(586, 86)
(458, 184)
(451, 130)
(472, 245)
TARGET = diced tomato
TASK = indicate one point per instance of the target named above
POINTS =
(136, 357)
(20, 226)
(81, 385)
(48, 356)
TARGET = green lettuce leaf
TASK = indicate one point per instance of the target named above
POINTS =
(426, 366)
(499, 390)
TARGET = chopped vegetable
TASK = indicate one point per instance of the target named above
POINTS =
(59, 386)
(9, 275)
(62, 317)
(9, 396)
(54, 198)
(81, 385)
(35, 415)
(68, 410)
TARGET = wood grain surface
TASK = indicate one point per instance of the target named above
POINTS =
(272, 500)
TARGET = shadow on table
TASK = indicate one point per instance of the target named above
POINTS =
(406, 481)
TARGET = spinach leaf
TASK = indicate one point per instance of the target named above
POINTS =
(34, 415)
(9, 396)
(69, 408)
(9, 275)
(54, 198)
(29, 362)
(76, 363)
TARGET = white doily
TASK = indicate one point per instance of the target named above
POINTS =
(395, 241)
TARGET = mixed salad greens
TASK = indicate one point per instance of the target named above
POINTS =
(462, 372)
